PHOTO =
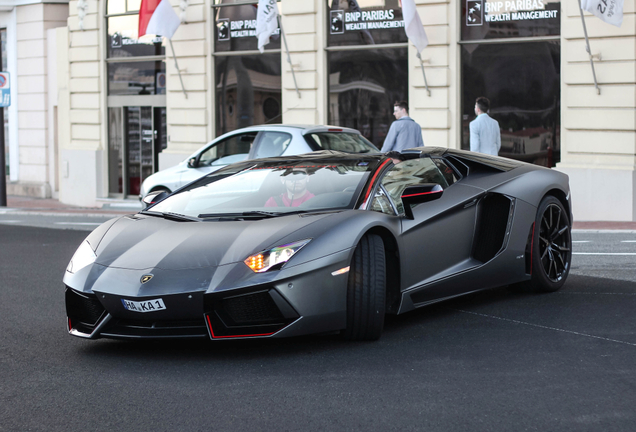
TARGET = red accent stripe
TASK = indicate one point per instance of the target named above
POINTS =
(374, 177)
(69, 325)
(423, 193)
(146, 9)
(232, 336)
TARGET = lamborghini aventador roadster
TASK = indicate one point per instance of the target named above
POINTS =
(318, 243)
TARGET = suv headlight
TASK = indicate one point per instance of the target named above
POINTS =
(84, 256)
(274, 258)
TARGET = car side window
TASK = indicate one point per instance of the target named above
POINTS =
(449, 174)
(411, 172)
(340, 141)
(271, 144)
(235, 145)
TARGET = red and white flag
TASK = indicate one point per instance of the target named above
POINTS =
(610, 11)
(157, 17)
(413, 25)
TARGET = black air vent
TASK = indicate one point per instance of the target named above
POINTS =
(492, 221)
(251, 309)
(83, 308)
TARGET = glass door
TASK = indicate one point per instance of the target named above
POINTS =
(137, 136)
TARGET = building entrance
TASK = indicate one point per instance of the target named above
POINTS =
(137, 135)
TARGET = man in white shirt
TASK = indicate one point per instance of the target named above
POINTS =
(485, 136)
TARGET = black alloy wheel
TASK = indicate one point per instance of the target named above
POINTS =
(552, 246)
(366, 291)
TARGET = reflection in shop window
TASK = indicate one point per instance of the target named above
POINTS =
(123, 32)
(248, 91)
(137, 78)
(522, 81)
(363, 86)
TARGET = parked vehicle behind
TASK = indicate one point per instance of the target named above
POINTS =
(256, 142)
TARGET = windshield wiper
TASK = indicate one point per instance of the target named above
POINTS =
(246, 214)
(172, 216)
(256, 213)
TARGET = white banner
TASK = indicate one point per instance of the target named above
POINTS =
(413, 25)
(266, 22)
(610, 11)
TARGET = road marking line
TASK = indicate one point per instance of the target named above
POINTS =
(76, 223)
(628, 241)
(580, 241)
(10, 221)
(546, 327)
(596, 293)
(605, 253)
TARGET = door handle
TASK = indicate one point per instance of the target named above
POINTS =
(471, 203)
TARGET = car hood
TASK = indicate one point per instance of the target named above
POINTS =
(143, 242)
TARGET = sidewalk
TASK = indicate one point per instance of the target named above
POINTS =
(50, 205)
(39, 205)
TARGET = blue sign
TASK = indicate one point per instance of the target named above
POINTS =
(5, 90)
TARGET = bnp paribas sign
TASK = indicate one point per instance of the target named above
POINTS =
(512, 18)
(480, 11)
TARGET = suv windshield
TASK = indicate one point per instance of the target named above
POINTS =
(340, 141)
(271, 189)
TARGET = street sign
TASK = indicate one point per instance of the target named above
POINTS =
(5, 90)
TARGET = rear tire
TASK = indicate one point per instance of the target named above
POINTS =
(551, 246)
(366, 291)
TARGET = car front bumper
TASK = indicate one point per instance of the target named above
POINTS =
(302, 299)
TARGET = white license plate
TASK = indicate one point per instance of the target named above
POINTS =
(144, 306)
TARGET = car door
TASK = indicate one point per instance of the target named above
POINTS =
(229, 150)
(437, 242)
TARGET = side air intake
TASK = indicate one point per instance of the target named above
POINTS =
(493, 218)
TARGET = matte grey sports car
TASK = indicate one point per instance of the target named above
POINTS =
(323, 242)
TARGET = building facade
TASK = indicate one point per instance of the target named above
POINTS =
(122, 112)
(27, 30)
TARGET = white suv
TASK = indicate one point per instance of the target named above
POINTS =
(253, 143)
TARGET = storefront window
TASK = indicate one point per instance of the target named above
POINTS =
(502, 60)
(365, 78)
(247, 83)
(248, 91)
(363, 86)
(137, 78)
(136, 99)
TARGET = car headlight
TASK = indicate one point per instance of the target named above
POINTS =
(84, 255)
(262, 261)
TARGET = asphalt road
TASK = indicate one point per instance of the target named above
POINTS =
(493, 361)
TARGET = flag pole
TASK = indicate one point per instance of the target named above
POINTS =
(174, 56)
(282, 32)
(419, 56)
(587, 48)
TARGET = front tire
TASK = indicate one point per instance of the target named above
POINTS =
(551, 246)
(366, 291)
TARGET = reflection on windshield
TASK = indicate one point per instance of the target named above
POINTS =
(268, 188)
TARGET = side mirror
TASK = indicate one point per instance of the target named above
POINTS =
(192, 163)
(154, 197)
(419, 194)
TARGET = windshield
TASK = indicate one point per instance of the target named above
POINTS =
(271, 189)
(340, 141)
